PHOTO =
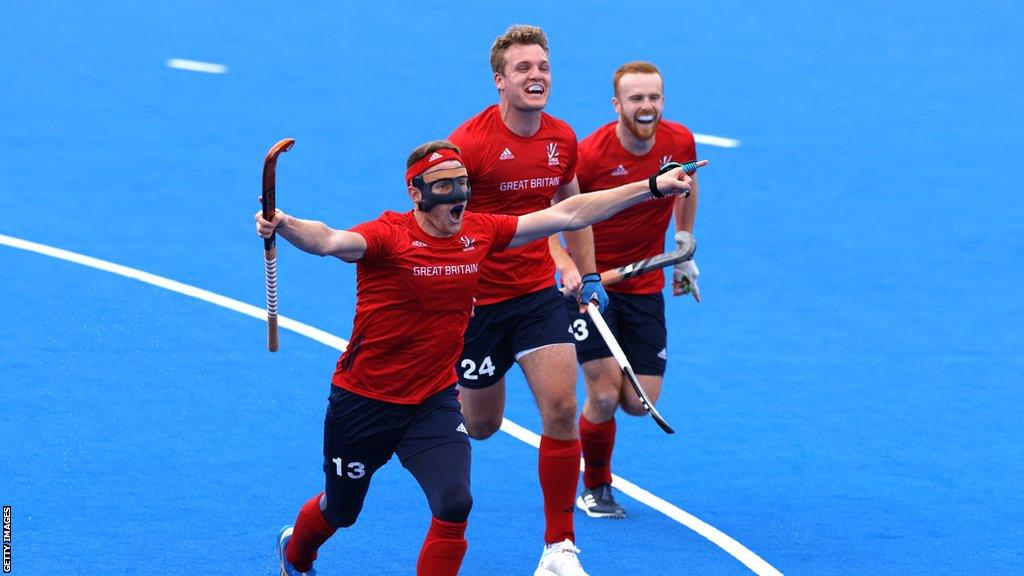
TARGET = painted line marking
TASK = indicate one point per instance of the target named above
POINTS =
(716, 141)
(196, 66)
(738, 551)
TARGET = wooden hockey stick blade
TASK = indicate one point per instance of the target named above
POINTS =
(270, 186)
(620, 357)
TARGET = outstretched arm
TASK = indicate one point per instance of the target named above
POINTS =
(583, 210)
(313, 236)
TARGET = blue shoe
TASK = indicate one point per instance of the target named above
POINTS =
(283, 537)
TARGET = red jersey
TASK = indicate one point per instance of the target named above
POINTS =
(637, 232)
(414, 295)
(510, 174)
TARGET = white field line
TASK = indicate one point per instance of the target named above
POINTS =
(211, 68)
(196, 66)
(738, 551)
(716, 141)
(723, 541)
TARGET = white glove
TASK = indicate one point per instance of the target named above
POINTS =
(684, 278)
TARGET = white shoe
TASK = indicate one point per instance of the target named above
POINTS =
(560, 559)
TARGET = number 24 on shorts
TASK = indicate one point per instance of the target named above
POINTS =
(471, 372)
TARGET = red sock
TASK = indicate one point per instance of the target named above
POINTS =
(559, 469)
(309, 534)
(443, 549)
(597, 442)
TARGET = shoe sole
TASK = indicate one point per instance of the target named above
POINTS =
(620, 515)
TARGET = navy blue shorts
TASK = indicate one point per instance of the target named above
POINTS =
(497, 333)
(638, 323)
(361, 434)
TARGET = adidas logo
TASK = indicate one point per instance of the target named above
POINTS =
(663, 354)
(620, 171)
(665, 159)
(506, 154)
(434, 156)
(419, 244)
(462, 428)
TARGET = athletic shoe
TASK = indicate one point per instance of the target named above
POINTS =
(600, 503)
(559, 559)
(283, 537)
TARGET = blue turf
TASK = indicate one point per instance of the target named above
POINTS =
(847, 397)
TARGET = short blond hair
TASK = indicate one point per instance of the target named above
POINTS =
(635, 67)
(516, 35)
(433, 146)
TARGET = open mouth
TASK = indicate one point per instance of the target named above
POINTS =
(457, 211)
(645, 119)
(535, 89)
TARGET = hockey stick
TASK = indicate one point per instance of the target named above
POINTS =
(270, 244)
(648, 264)
(653, 263)
(620, 357)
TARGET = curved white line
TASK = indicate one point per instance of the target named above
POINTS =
(717, 537)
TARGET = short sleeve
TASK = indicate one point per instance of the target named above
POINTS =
(571, 166)
(467, 151)
(502, 228)
(686, 145)
(379, 238)
(583, 168)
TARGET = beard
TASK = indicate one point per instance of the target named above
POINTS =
(639, 129)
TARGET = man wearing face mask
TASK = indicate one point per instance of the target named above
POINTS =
(393, 391)
(637, 143)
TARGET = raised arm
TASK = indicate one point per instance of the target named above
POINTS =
(583, 210)
(313, 236)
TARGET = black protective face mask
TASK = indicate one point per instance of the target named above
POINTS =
(441, 191)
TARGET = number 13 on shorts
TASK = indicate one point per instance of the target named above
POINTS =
(354, 470)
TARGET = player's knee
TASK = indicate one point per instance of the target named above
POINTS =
(482, 428)
(340, 518)
(560, 412)
(454, 506)
(340, 513)
(604, 403)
